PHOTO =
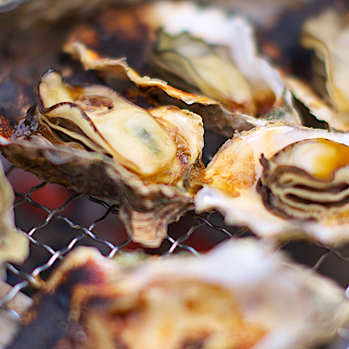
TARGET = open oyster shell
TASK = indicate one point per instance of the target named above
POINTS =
(14, 244)
(282, 181)
(242, 294)
(245, 84)
(328, 35)
(93, 141)
(232, 73)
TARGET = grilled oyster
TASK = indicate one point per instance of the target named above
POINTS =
(245, 84)
(231, 73)
(242, 294)
(92, 140)
(328, 35)
(14, 244)
(282, 181)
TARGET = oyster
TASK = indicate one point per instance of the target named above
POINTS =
(231, 73)
(307, 180)
(242, 294)
(282, 181)
(92, 140)
(244, 84)
(328, 35)
(14, 244)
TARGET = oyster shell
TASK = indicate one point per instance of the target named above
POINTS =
(242, 294)
(14, 244)
(328, 35)
(93, 141)
(307, 180)
(282, 181)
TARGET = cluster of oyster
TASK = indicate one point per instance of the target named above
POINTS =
(276, 177)
(280, 179)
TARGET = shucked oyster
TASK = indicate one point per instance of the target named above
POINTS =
(201, 66)
(282, 181)
(308, 180)
(242, 83)
(232, 73)
(98, 143)
(328, 35)
(242, 294)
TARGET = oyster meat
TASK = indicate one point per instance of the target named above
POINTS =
(90, 139)
(308, 180)
(282, 181)
(242, 294)
(243, 84)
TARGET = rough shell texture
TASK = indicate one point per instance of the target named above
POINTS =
(242, 294)
(145, 210)
(245, 175)
(215, 117)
